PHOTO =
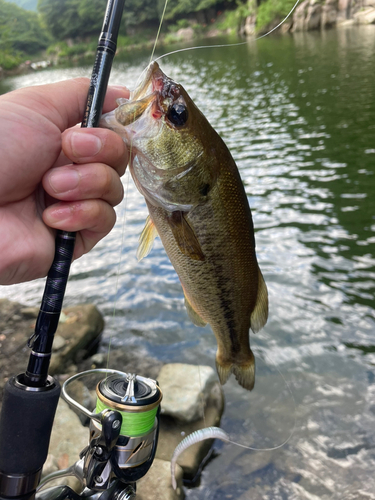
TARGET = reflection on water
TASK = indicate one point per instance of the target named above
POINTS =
(298, 114)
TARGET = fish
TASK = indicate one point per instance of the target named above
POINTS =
(198, 206)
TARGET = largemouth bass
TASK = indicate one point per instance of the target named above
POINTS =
(198, 206)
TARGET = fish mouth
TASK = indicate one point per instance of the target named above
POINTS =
(152, 81)
(155, 93)
(147, 96)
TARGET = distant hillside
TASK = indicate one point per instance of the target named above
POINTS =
(25, 4)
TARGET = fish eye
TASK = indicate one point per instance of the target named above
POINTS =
(178, 113)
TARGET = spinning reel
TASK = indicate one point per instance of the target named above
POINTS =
(124, 433)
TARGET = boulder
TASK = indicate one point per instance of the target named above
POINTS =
(300, 15)
(186, 389)
(203, 404)
(365, 16)
(313, 16)
(156, 485)
(80, 328)
(329, 14)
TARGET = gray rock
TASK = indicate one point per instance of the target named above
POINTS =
(68, 436)
(80, 327)
(173, 430)
(313, 16)
(366, 16)
(185, 390)
(68, 439)
(299, 16)
(156, 485)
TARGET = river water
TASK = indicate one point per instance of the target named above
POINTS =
(298, 114)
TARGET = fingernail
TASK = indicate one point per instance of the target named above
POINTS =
(85, 145)
(60, 214)
(63, 179)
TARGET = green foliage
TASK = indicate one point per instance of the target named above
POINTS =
(10, 60)
(20, 30)
(61, 17)
(180, 24)
(140, 11)
(233, 19)
(25, 4)
(270, 10)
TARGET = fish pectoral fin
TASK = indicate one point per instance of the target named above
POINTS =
(193, 315)
(146, 239)
(259, 315)
(185, 237)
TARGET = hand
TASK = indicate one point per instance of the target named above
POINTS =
(79, 170)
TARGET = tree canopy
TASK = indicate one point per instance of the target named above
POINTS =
(20, 30)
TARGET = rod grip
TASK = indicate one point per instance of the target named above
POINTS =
(25, 426)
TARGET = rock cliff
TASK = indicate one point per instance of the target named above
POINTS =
(321, 14)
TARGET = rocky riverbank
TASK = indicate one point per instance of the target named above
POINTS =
(192, 396)
(319, 14)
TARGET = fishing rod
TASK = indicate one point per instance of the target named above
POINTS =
(30, 399)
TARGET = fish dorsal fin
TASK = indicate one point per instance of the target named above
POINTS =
(193, 315)
(184, 235)
(259, 315)
(146, 239)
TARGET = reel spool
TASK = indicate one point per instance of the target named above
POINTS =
(137, 399)
(124, 428)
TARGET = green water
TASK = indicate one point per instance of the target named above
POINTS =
(298, 114)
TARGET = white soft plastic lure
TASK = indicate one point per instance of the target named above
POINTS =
(193, 438)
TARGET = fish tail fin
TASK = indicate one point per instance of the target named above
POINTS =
(243, 371)
(223, 370)
(259, 315)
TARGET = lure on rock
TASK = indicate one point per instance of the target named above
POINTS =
(198, 206)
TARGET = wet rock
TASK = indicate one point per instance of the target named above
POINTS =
(172, 430)
(185, 390)
(156, 485)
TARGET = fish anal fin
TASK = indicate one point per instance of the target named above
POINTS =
(193, 315)
(259, 315)
(185, 237)
(146, 239)
(243, 371)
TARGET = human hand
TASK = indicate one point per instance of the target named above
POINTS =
(38, 149)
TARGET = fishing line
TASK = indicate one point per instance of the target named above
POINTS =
(289, 390)
(229, 44)
(158, 33)
(126, 198)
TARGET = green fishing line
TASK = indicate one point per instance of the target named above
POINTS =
(133, 423)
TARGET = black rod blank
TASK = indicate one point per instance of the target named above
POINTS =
(50, 310)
